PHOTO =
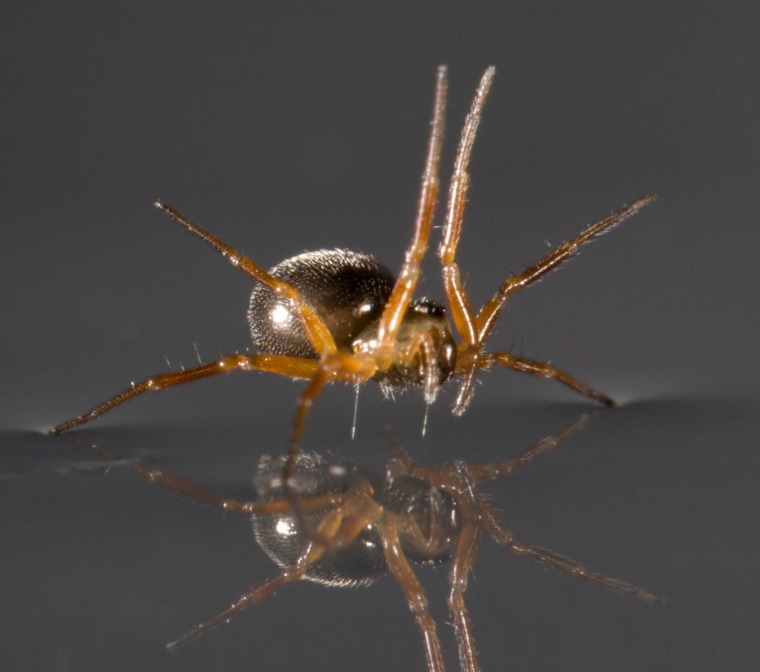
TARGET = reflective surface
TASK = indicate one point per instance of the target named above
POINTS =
(284, 131)
(102, 568)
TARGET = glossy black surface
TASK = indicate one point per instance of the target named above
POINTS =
(284, 131)
(347, 290)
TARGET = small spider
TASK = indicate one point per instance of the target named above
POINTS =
(339, 315)
(372, 526)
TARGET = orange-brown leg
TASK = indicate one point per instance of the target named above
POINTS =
(542, 369)
(461, 311)
(472, 356)
(491, 310)
(412, 589)
(316, 331)
(340, 366)
(287, 366)
(410, 271)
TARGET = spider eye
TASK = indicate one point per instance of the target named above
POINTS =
(428, 307)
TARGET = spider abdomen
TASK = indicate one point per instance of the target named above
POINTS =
(348, 291)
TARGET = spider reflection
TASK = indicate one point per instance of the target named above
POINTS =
(371, 525)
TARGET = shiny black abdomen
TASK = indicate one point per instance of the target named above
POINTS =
(347, 290)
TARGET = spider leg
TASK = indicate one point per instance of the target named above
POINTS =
(410, 271)
(412, 589)
(460, 568)
(287, 366)
(340, 366)
(316, 331)
(471, 356)
(461, 311)
(492, 309)
(542, 369)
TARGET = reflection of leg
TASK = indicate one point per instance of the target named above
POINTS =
(415, 594)
(330, 525)
(561, 563)
(287, 366)
(460, 568)
(253, 596)
(354, 509)
(478, 473)
(542, 369)
(574, 568)
(278, 507)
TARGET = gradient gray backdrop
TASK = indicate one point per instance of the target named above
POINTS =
(294, 126)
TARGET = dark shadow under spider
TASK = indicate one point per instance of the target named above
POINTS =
(373, 525)
(337, 315)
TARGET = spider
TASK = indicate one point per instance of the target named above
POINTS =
(374, 525)
(338, 315)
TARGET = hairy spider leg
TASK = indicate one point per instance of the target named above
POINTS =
(294, 367)
(491, 310)
(470, 358)
(410, 271)
(461, 311)
(316, 331)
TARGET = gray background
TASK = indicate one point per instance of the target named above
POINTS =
(292, 127)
